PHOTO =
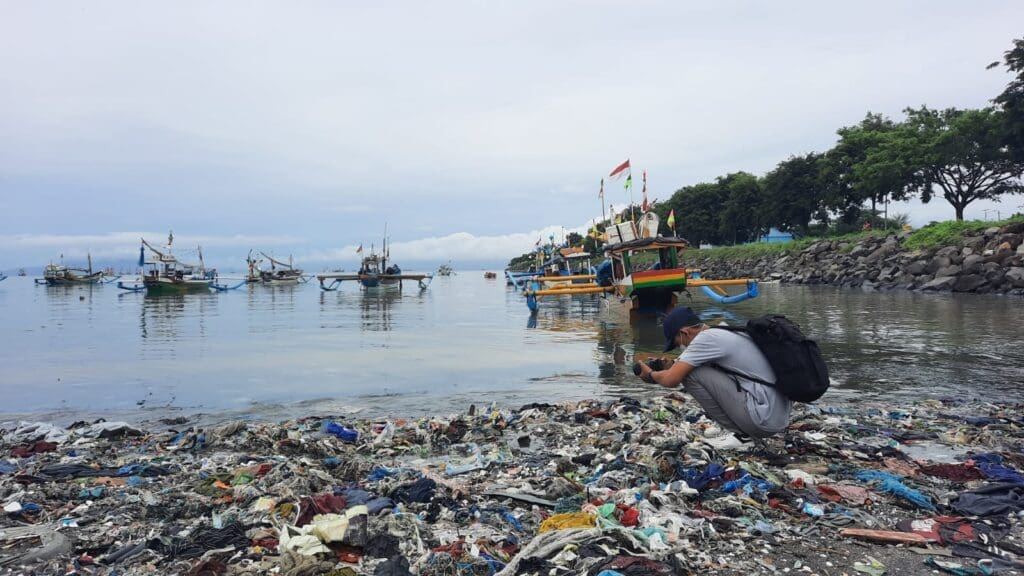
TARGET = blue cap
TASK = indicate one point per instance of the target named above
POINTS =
(679, 318)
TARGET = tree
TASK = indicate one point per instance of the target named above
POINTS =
(793, 193)
(698, 210)
(959, 153)
(740, 219)
(1011, 100)
(846, 178)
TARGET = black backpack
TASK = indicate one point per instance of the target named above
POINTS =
(800, 371)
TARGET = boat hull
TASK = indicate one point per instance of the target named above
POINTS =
(163, 288)
(71, 281)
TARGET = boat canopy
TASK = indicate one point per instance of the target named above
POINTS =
(655, 243)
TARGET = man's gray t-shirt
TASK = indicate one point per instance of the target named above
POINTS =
(736, 351)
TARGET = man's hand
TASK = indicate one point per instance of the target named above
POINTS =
(645, 373)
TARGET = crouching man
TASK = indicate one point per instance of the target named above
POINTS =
(712, 369)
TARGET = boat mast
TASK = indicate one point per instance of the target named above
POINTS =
(384, 251)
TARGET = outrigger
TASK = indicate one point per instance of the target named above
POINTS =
(374, 273)
(644, 273)
(61, 275)
(281, 273)
(168, 275)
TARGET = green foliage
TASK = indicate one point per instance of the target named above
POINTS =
(949, 233)
(794, 194)
(959, 153)
(847, 184)
(1011, 101)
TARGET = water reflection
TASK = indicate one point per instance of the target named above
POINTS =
(465, 340)
(377, 306)
(166, 319)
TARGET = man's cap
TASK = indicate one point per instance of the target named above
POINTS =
(676, 320)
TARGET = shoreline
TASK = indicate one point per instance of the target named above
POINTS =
(989, 261)
(483, 489)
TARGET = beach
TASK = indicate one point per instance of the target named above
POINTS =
(591, 487)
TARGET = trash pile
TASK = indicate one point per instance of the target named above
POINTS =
(624, 487)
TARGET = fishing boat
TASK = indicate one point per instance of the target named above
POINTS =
(554, 267)
(374, 272)
(61, 275)
(280, 273)
(164, 274)
(3, 277)
(445, 269)
(21, 272)
(253, 269)
(643, 272)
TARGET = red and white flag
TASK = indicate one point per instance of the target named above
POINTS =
(620, 170)
(360, 249)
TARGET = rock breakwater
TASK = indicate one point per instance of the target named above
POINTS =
(983, 262)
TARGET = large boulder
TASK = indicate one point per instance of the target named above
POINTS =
(1015, 276)
(994, 277)
(937, 263)
(882, 251)
(972, 264)
(917, 267)
(940, 283)
(951, 270)
(968, 283)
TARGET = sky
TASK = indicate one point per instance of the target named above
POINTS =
(465, 129)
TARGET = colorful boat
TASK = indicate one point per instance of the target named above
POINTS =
(644, 273)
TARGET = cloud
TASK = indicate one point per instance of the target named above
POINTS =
(458, 246)
(126, 244)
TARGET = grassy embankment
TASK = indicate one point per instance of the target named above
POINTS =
(938, 234)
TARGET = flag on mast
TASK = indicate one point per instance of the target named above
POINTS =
(601, 193)
(629, 184)
(645, 206)
(360, 249)
(620, 170)
(672, 220)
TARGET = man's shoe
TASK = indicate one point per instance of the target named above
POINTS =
(729, 441)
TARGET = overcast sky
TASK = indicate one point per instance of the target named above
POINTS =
(469, 128)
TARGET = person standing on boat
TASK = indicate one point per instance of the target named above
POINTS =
(739, 404)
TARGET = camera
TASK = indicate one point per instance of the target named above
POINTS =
(656, 364)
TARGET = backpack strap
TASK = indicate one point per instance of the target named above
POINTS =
(742, 330)
(738, 374)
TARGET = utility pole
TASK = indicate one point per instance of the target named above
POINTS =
(985, 211)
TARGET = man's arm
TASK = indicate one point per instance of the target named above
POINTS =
(670, 378)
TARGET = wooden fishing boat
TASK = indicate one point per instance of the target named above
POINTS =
(280, 273)
(644, 274)
(375, 273)
(165, 275)
(445, 269)
(61, 275)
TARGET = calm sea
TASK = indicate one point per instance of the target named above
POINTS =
(264, 352)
